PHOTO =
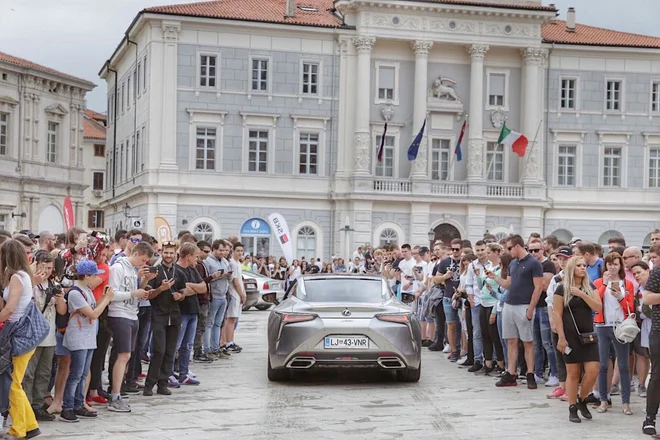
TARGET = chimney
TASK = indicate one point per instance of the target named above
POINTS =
(290, 9)
(570, 20)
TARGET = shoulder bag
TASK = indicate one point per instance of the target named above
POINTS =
(626, 331)
(585, 338)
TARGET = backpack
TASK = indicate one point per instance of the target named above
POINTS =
(62, 321)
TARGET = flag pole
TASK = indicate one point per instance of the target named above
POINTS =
(528, 156)
(492, 159)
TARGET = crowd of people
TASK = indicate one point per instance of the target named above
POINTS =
(66, 298)
(583, 321)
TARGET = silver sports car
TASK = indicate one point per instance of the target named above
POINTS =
(339, 320)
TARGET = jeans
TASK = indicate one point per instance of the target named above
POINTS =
(213, 330)
(185, 341)
(605, 340)
(164, 337)
(74, 391)
(135, 363)
(451, 317)
(20, 411)
(468, 325)
(502, 340)
(477, 339)
(37, 375)
(201, 328)
(543, 342)
(653, 392)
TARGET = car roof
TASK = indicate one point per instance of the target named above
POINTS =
(334, 276)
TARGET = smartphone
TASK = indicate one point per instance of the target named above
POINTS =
(419, 269)
(567, 350)
(152, 269)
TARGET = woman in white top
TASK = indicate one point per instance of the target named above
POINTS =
(16, 276)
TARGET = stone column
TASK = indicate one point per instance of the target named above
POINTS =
(475, 174)
(168, 122)
(421, 49)
(533, 58)
(364, 44)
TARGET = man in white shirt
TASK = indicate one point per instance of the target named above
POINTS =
(473, 290)
(406, 269)
(422, 257)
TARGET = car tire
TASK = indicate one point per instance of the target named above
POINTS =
(277, 375)
(245, 309)
(264, 307)
(409, 374)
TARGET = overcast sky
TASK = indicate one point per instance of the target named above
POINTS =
(78, 36)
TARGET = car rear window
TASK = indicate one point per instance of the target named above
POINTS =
(343, 290)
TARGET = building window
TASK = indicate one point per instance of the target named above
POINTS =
(385, 168)
(205, 149)
(203, 232)
(138, 78)
(654, 168)
(4, 133)
(3, 222)
(121, 164)
(97, 181)
(51, 142)
(260, 75)
(566, 159)
(95, 218)
(440, 159)
(655, 97)
(309, 150)
(207, 70)
(495, 162)
(386, 83)
(496, 89)
(99, 150)
(258, 151)
(306, 243)
(310, 78)
(567, 100)
(144, 73)
(388, 237)
(138, 151)
(612, 166)
(613, 95)
(135, 85)
(123, 97)
(128, 92)
(143, 146)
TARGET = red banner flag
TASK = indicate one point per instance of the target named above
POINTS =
(69, 219)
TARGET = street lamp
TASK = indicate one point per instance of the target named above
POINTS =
(431, 235)
(127, 210)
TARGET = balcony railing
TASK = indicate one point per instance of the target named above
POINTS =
(393, 186)
(449, 188)
(504, 190)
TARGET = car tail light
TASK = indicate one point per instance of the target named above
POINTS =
(266, 286)
(400, 318)
(290, 318)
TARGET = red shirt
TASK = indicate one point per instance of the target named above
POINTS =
(98, 292)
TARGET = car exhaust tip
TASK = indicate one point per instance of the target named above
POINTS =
(390, 362)
(301, 362)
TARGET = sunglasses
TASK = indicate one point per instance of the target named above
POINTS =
(509, 248)
(207, 251)
(169, 243)
(455, 249)
(135, 240)
(535, 250)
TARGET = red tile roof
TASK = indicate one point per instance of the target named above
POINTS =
(271, 11)
(92, 129)
(96, 115)
(593, 36)
(497, 5)
(20, 62)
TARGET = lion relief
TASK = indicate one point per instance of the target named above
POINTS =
(443, 88)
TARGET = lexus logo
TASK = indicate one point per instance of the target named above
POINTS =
(346, 312)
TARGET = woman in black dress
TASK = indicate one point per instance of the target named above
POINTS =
(576, 295)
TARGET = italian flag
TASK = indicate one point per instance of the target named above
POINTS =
(516, 141)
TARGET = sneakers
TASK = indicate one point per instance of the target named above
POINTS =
(573, 414)
(486, 371)
(434, 347)
(426, 342)
(476, 367)
(582, 407)
(42, 415)
(447, 349)
(641, 390)
(85, 413)
(648, 427)
(552, 381)
(32, 433)
(203, 358)
(531, 381)
(163, 390)
(68, 416)
(189, 381)
(172, 382)
(131, 388)
(507, 380)
(556, 393)
(592, 399)
(119, 405)
(615, 390)
(454, 357)
(564, 397)
(148, 391)
(539, 380)
(233, 348)
(465, 363)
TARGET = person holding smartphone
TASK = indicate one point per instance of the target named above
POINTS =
(218, 266)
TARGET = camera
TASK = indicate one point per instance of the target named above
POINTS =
(51, 291)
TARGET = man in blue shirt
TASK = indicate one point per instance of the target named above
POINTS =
(595, 265)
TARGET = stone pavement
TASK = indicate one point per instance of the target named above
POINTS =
(236, 401)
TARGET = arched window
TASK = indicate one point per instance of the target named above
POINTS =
(605, 237)
(203, 231)
(389, 237)
(306, 243)
(501, 236)
(564, 235)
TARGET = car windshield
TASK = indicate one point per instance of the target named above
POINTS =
(343, 290)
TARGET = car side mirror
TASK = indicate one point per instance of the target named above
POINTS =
(270, 298)
(407, 298)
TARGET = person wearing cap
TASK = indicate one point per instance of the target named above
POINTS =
(80, 338)
(564, 253)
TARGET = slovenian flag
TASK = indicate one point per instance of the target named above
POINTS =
(516, 141)
(414, 147)
(457, 150)
(382, 145)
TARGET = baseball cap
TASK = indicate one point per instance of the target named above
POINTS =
(575, 240)
(29, 233)
(88, 267)
(565, 252)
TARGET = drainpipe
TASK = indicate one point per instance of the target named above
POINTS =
(133, 139)
(21, 137)
(547, 134)
(114, 131)
(333, 148)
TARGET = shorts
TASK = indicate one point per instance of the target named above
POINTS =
(124, 334)
(515, 324)
(60, 349)
(234, 307)
(451, 314)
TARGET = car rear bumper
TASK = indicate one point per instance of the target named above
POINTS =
(385, 361)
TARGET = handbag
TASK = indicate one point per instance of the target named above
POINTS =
(625, 332)
(33, 329)
(585, 338)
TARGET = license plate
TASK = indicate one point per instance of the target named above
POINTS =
(333, 342)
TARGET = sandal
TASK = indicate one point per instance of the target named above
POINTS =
(627, 412)
(601, 409)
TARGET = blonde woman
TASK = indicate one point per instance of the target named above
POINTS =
(573, 304)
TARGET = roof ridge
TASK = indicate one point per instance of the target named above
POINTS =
(634, 34)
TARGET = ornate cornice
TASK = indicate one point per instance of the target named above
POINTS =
(421, 47)
(478, 50)
(364, 43)
(171, 31)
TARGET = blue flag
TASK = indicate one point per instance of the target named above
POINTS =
(414, 147)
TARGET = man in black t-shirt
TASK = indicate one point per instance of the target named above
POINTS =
(447, 273)
(652, 298)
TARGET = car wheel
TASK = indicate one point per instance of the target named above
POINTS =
(263, 307)
(245, 309)
(409, 374)
(277, 375)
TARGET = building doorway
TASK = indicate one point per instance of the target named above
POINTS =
(446, 233)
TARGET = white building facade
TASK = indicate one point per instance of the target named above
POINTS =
(41, 145)
(220, 122)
